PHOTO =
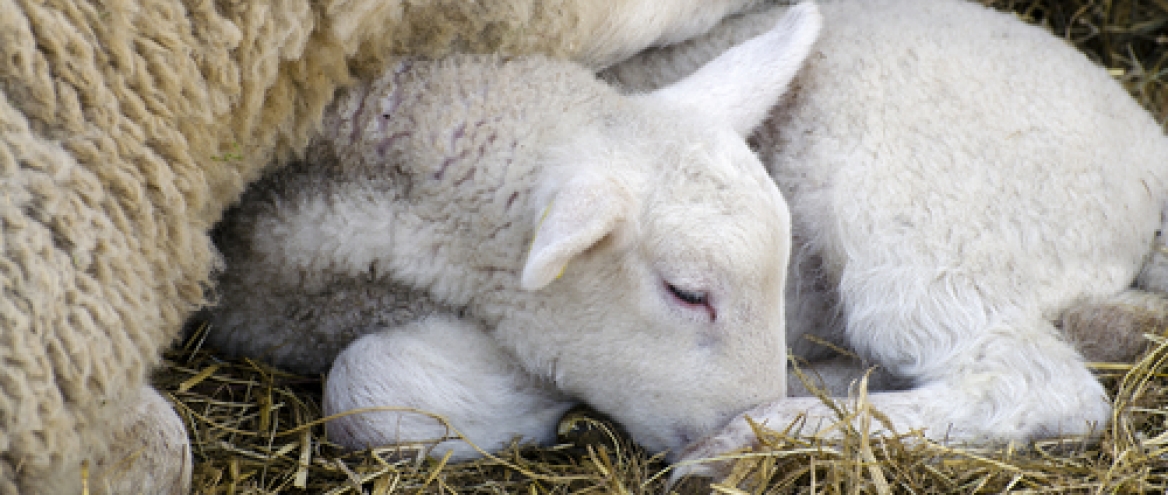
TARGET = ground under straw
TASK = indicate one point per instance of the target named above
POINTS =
(259, 430)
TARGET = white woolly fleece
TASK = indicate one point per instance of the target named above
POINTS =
(957, 181)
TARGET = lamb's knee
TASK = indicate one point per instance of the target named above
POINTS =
(446, 367)
(1021, 382)
(150, 451)
(1112, 329)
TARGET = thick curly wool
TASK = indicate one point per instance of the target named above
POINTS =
(114, 122)
(127, 127)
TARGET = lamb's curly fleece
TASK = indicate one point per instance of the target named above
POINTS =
(127, 127)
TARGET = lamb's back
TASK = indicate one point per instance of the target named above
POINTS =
(971, 141)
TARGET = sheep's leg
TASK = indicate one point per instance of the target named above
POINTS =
(437, 367)
(1002, 390)
(988, 366)
(982, 372)
(150, 451)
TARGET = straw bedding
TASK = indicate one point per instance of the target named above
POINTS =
(256, 429)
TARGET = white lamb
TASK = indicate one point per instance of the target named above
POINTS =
(569, 244)
(957, 180)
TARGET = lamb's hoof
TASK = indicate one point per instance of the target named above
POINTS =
(150, 453)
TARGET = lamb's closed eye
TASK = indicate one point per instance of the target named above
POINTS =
(693, 299)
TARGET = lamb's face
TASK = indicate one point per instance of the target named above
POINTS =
(661, 255)
(669, 317)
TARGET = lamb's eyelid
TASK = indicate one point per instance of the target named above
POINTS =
(688, 295)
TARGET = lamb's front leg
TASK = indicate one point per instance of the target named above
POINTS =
(443, 366)
(1015, 380)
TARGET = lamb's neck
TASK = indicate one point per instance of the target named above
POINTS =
(452, 151)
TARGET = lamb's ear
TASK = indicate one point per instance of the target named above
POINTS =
(583, 212)
(742, 84)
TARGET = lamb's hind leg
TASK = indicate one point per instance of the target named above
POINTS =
(443, 366)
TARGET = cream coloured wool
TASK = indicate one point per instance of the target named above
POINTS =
(957, 181)
(572, 244)
(126, 128)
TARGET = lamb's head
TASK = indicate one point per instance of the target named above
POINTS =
(660, 251)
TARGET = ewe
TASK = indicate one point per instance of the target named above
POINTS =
(126, 128)
(957, 180)
(569, 243)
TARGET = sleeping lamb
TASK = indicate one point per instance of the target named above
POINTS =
(957, 180)
(514, 235)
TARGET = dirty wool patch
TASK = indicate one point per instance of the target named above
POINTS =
(257, 430)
